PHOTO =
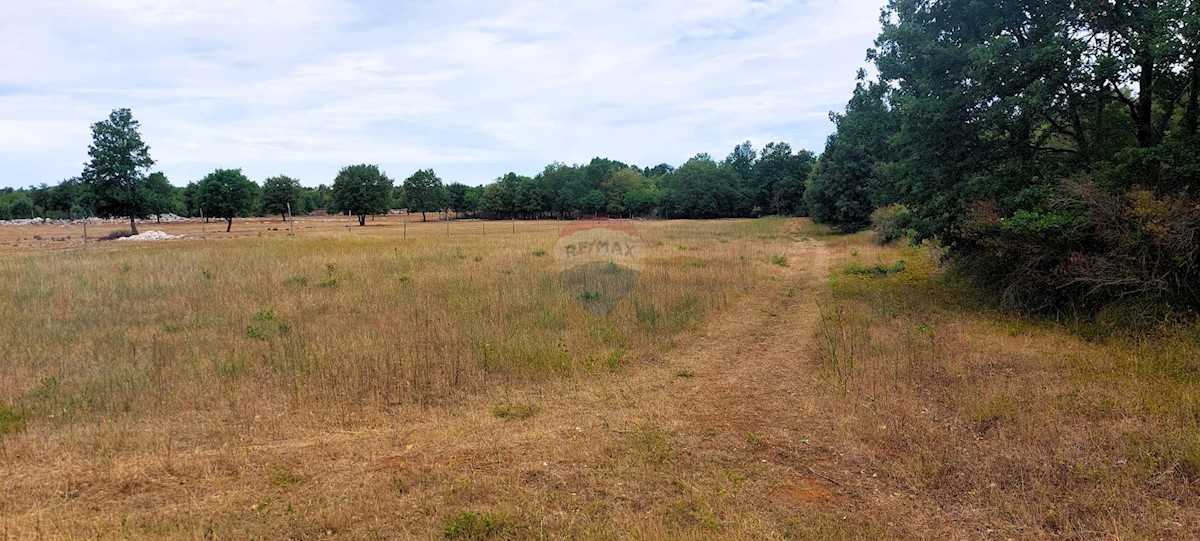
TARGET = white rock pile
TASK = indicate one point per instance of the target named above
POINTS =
(151, 235)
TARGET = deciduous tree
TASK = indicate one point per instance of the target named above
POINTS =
(424, 192)
(360, 190)
(160, 196)
(278, 192)
(117, 170)
(227, 194)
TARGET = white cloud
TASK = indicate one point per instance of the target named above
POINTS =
(472, 89)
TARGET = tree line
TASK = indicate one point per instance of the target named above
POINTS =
(117, 182)
(1050, 144)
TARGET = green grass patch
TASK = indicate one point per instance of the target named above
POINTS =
(474, 526)
(647, 317)
(11, 420)
(651, 444)
(283, 477)
(228, 369)
(687, 313)
(514, 411)
(296, 281)
(264, 327)
(767, 225)
(878, 270)
(694, 512)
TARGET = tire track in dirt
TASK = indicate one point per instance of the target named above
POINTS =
(749, 407)
(755, 382)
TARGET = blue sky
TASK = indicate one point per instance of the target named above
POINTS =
(472, 89)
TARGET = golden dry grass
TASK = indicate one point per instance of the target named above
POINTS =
(129, 364)
(358, 385)
(347, 320)
(999, 427)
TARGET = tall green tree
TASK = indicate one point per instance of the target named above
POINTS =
(22, 207)
(1031, 136)
(227, 194)
(592, 202)
(191, 199)
(741, 162)
(117, 170)
(702, 188)
(565, 187)
(471, 201)
(643, 199)
(849, 180)
(618, 187)
(279, 192)
(599, 170)
(424, 192)
(160, 196)
(779, 178)
(458, 198)
(309, 200)
(360, 190)
(742, 159)
(324, 199)
(529, 196)
(495, 201)
(500, 197)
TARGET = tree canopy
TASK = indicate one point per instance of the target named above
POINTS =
(1047, 144)
(278, 192)
(159, 195)
(227, 194)
(360, 190)
(423, 192)
(117, 171)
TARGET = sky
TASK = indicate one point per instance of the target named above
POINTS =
(471, 89)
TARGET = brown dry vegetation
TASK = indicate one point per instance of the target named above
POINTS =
(356, 385)
(1006, 428)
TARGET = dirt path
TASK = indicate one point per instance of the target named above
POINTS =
(722, 438)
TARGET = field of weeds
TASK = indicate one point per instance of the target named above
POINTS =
(1001, 427)
(337, 323)
(130, 356)
(758, 379)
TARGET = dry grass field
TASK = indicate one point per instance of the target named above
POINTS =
(761, 380)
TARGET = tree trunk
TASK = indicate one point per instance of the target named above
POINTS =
(362, 220)
(423, 216)
(1143, 110)
(228, 224)
(133, 225)
(1193, 115)
(283, 216)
